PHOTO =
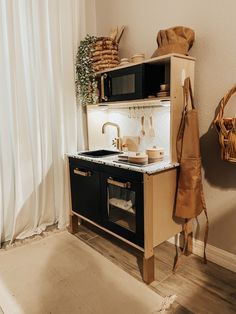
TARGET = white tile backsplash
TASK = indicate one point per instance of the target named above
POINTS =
(130, 125)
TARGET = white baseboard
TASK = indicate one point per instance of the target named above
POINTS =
(214, 254)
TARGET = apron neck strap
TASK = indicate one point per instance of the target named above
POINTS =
(188, 95)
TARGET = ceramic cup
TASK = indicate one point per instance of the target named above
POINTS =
(165, 87)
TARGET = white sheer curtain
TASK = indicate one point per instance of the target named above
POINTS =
(38, 112)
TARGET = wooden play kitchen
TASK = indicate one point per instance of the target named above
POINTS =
(133, 203)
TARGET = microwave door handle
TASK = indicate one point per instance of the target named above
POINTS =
(109, 86)
(103, 97)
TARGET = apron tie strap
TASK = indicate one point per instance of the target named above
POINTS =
(206, 235)
(183, 252)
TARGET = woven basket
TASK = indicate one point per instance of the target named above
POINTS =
(105, 55)
(226, 128)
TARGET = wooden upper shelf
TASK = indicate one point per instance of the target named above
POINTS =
(161, 59)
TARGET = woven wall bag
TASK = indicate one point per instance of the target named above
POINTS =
(226, 128)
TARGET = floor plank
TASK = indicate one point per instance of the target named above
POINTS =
(86, 233)
(127, 257)
(199, 288)
(194, 297)
(217, 280)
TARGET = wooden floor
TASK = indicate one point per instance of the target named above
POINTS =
(199, 288)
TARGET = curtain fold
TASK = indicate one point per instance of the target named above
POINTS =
(38, 112)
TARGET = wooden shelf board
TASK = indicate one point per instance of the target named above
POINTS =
(154, 102)
(161, 59)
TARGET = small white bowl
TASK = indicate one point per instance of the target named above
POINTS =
(124, 60)
(138, 57)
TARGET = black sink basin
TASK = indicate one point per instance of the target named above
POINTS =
(100, 153)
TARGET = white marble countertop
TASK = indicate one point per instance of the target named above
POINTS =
(113, 161)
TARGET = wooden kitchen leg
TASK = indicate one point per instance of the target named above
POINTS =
(148, 269)
(73, 224)
(148, 259)
(73, 219)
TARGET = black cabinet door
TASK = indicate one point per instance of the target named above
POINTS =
(85, 191)
(122, 206)
(110, 196)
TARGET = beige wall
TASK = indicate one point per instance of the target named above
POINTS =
(215, 50)
(90, 17)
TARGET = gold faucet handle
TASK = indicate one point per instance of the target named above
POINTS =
(117, 142)
(114, 143)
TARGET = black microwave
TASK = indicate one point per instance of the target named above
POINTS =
(133, 82)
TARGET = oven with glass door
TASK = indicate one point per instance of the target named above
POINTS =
(123, 205)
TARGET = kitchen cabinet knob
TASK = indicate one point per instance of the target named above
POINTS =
(82, 173)
(125, 185)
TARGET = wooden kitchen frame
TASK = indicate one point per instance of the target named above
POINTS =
(159, 197)
(160, 187)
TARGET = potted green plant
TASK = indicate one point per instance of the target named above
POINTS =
(86, 85)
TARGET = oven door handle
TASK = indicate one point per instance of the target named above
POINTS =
(125, 185)
(103, 97)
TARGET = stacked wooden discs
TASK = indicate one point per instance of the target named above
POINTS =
(164, 90)
(105, 55)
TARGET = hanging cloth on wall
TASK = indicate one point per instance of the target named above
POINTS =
(190, 200)
(226, 129)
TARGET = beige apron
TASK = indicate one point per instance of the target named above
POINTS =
(190, 200)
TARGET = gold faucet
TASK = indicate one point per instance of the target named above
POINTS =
(116, 141)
